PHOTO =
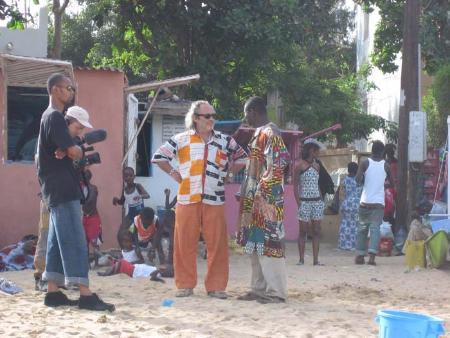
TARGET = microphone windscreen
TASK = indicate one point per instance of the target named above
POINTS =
(95, 136)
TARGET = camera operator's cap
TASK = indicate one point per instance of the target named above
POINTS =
(79, 114)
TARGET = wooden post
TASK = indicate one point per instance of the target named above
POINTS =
(409, 101)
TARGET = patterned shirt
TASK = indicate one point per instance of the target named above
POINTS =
(262, 196)
(202, 166)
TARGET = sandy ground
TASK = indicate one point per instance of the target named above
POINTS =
(336, 300)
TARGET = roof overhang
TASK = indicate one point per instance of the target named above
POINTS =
(24, 71)
(144, 87)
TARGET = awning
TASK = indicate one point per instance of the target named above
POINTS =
(23, 71)
(163, 83)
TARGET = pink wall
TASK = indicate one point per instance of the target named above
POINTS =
(290, 211)
(101, 93)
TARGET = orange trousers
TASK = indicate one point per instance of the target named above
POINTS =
(190, 221)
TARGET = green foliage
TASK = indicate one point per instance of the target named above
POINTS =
(434, 35)
(241, 48)
(437, 105)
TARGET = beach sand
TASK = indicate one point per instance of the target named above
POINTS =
(339, 299)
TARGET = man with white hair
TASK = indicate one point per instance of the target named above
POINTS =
(67, 257)
(204, 156)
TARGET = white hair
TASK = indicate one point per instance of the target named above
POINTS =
(189, 119)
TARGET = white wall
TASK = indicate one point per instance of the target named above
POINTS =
(383, 101)
(28, 42)
(156, 184)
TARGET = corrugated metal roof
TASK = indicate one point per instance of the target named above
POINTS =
(110, 69)
(31, 72)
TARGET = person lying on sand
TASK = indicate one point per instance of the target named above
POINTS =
(133, 270)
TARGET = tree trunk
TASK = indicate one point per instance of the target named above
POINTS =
(409, 101)
(56, 52)
(58, 12)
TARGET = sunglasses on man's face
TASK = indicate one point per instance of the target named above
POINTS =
(206, 116)
(69, 88)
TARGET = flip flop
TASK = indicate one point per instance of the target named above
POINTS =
(249, 296)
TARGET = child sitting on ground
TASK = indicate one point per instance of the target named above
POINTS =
(131, 263)
(92, 223)
(147, 232)
(133, 194)
(129, 252)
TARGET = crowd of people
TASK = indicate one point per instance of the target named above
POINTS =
(71, 232)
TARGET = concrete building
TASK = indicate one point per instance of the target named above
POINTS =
(23, 98)
(28, 42)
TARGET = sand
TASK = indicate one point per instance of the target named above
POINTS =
(336, 300)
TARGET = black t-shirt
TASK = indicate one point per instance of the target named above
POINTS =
(59, 181)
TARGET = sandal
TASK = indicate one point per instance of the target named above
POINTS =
(184, 293)
(249, 296)
(271, 300)
(218, 294)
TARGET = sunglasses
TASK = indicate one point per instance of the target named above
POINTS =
(69, 88)
(206, 116)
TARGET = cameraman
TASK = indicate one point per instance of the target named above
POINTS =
(66, 261)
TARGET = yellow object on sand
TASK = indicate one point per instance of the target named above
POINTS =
(415, 254)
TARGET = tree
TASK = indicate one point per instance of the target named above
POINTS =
(437, 105)
(241, 48)
(434, 36)
(58, 13)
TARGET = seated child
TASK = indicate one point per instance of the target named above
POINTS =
(147, 232)
(129, 252)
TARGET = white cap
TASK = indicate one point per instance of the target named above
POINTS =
(79, 114)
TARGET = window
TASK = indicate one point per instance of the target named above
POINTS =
(144, 149)
(25, 107)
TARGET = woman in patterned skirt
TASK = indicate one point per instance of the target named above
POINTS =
(349, 209)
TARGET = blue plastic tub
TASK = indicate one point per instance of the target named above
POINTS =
(443, 224)
(402, 324)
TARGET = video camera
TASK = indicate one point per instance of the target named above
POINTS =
(88, 139)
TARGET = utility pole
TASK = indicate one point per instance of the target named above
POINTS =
(409, 101)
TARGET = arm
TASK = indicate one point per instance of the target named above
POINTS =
(389, 177)
(141, 190)
(361, 170)
(237, 154)
(156, 242)
(168, 169)
(119, 201)
(296, 183)
(164, 155)
(59, 134)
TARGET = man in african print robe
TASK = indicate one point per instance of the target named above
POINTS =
(261, 228)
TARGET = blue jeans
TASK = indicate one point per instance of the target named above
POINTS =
(67, 252)
(369, 219)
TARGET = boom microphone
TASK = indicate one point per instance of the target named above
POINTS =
(94, 136)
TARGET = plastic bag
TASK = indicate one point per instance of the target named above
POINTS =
(386, 230)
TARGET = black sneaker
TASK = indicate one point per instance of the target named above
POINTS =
(54, 299)
(94, 303)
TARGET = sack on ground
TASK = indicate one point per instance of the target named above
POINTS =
(415, 254)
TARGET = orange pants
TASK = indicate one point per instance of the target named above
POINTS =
(190, 220)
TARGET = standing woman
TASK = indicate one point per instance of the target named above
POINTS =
(309, 199)
(349, 209)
